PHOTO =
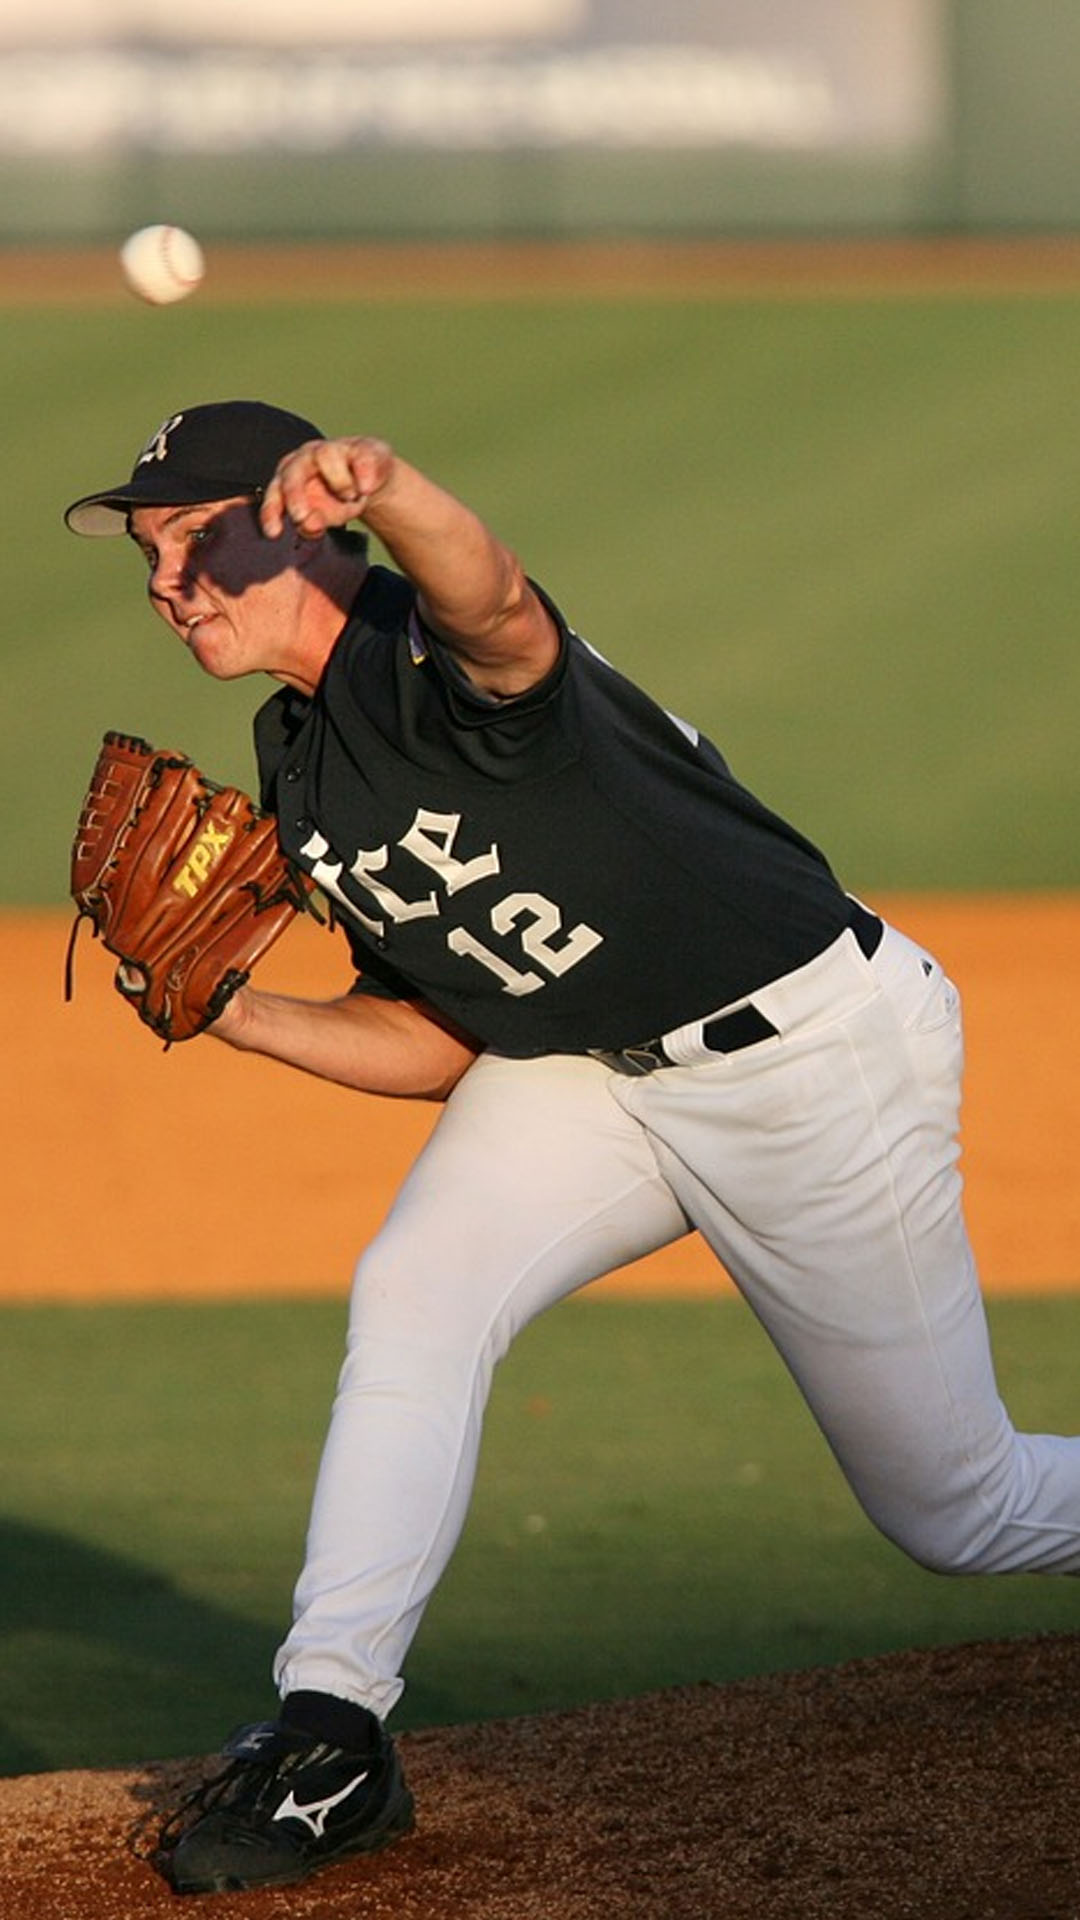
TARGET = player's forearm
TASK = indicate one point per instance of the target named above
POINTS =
(470, 582)
(473, 591)
(373, 1045)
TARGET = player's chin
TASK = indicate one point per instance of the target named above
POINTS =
(213, 653)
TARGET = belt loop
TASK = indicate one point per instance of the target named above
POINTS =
(634, 1061)
(644, 1058)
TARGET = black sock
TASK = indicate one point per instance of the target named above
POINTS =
(340, 1723)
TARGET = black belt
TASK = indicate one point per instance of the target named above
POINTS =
(742, 1027)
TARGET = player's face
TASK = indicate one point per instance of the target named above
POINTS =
(231, 594)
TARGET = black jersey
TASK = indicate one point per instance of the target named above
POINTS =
(569, 869)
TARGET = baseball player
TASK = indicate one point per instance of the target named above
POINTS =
(649, 1006)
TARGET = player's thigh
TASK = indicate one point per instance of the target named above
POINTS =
(533, 1182)
(827, 1183)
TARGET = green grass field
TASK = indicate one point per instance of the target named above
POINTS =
(839, 534)
(654, 1507)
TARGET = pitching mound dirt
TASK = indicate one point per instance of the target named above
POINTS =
(925, 1784)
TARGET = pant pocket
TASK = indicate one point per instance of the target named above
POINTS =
(939, 1006)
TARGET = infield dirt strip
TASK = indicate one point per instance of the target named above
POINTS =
(85, 1080)
(675, 269)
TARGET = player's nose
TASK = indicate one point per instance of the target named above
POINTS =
(170, 573)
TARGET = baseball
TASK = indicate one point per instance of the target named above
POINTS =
(162, 264)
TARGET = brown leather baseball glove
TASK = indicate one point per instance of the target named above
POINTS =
(183, 880)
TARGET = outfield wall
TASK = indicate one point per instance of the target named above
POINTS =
(539, 117)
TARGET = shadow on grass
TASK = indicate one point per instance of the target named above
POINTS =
(107, 1663)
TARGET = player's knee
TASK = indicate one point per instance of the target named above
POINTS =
(945, 1557)
(394, 1294)
(411, 1298)
(954, 1539)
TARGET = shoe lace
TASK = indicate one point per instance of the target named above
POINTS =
(156, 1833)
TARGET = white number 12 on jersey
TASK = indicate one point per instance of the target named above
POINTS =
(542, 921)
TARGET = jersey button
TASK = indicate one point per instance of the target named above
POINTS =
(293, 773)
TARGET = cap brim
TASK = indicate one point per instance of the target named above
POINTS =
(105, 513)
(98, 514)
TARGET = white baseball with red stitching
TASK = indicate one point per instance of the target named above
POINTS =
(162, 264)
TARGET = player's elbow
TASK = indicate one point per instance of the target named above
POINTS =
(406, 1049)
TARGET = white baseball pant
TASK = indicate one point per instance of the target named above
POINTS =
(821, 1167)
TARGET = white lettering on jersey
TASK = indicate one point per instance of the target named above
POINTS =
(535, 919)
(326, 875)
(368, 863)
(543, 920)
(546, 920)
(460, 940)
(431, 838)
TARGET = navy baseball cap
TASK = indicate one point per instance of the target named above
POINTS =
(213, 452)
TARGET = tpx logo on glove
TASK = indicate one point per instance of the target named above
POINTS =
(204, 856)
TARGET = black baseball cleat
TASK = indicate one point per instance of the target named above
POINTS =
(286, 1805)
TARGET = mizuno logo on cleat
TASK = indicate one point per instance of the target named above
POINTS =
(314, 1813)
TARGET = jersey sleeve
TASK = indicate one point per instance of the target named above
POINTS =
(469, 703)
